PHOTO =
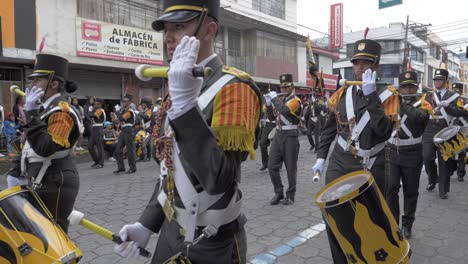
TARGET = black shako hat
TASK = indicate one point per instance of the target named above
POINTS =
(367, 49)
(457, 87)
(146, 100)
(286, 79)
(441, 74)
(127, 97)
(47, 64)
(408, 77)
(185, 10)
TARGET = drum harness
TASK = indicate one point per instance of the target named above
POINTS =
(29, 155)
(449, 119)
(196, 212)
(96, 124)
(395, 140)
(368, 157)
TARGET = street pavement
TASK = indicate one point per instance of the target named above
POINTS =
(275, 234)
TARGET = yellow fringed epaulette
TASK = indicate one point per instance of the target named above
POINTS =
(64, 106)
(236, 111)
(60, 125)
(392, 104)
(425, 105)
(333, 101)
(236, 72)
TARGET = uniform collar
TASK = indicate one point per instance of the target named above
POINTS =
(204, 62)
(442, 92)
(48, 101)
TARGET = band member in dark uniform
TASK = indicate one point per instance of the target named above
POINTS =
(146, 115)
(127, 117)
(460, 121)
(210, 131)
(447, 105)
(285, 144)
(96, 142)
(269, 124)
(403, 152)
(310, 119)
(52, 128)
(363, 117)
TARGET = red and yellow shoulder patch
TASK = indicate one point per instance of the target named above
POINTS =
(294, 105)
(99, 112)
(426, 105)
(236, 111)
(392, 105)
(60, 125)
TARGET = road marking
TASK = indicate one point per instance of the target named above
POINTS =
(286, 248)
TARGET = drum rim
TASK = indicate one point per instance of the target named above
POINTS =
(350, 195)
(456, 128)
(11, 191)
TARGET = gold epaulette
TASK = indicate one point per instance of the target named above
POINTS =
(333, 101)
(64, 106)
(238, 73)
(392, 104)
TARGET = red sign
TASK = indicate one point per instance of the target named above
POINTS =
(336, 26)
(91, 31)
(330, 81)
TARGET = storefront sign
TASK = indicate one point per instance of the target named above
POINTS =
(102, 40)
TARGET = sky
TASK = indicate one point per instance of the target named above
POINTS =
(448, 18)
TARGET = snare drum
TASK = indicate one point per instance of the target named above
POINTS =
(142, 139)
(359, 218)
(450, 141)
(17, 144)
(27, 232)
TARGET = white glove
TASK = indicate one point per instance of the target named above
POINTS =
(137, 235)
(368, 81)
(318, 166)
(90, 108)
(33, 98)
(267, 99)
(117, 108)
(184, 88)
(273, 94)
(14, 181)
(444, 103)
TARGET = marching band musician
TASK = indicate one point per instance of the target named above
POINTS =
(363, 117)
(403, 152)
(146, 115)
(285, 143)
(52, 128)
(127, 117)
(447, 105)
(460, 121)
(205, 129)
(269, 124)
(96, 142)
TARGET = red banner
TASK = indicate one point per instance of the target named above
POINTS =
(330, 81)
(336, 26)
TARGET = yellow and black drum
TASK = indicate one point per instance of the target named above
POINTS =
(450, 141)
(142, 139)
(27, 232)
(17, 144)
(357, 214)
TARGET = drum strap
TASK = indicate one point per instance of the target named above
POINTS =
(447, 118)
(209, 94)
(463, 121)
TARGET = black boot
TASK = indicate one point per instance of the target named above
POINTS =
(289, 199)
(278, 197)
(406, 231)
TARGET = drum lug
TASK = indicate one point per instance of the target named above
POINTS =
(24, 249)
(381, 255)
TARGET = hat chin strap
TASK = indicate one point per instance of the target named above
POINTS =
(49, 81)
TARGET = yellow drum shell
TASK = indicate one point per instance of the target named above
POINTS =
(359, 218)
(27, 232)
(451, 141)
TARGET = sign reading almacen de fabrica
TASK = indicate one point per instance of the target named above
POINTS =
(102, 40)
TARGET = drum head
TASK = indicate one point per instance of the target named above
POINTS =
(464, 131)
(446, 134)
(344, 188)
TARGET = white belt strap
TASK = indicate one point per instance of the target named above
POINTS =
(368, 156)
(98, 125)
(405, 142)
(288, 127)
(463, 121)
(385, 95)
(127, 125)
(211, 92)
(360, 126)
(349, 103)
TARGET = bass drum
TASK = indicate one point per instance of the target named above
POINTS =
(450, 141)
(28, 233)
(361, 221)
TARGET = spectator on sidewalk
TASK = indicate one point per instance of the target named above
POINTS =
(110, 139)
(9, 131)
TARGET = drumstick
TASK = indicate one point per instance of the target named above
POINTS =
(77, 217)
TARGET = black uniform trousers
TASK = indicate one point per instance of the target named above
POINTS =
(429, 154)
(311, 125)
(126, 139)
(405, 164)
(284, 148)
(96, 142)
(228, 246)
(59, 189)
(461, 164)
(265, 142)
(340, 164)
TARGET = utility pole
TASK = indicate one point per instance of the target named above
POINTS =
(406, 53)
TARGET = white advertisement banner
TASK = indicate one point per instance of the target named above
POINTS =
(103, 40)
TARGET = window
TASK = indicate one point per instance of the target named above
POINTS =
(276, 8)
(349, 50)
(271, 45)
(416, 54)
(234, 42)
(434, 51)
(430, 76)
(390, 46)
(132, 13)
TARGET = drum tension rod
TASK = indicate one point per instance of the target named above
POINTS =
(381, 255)
(24, 249)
